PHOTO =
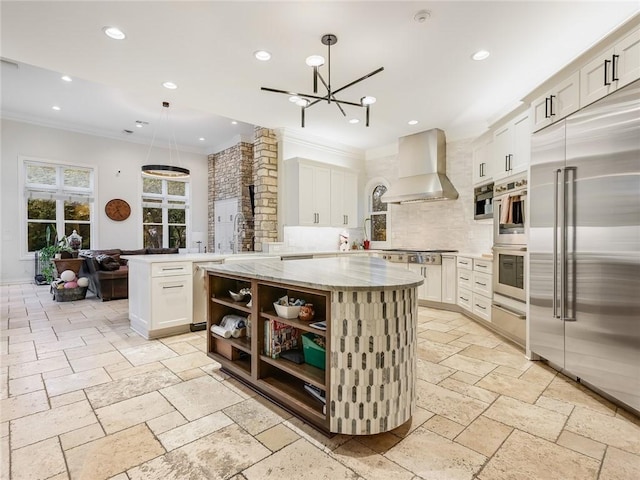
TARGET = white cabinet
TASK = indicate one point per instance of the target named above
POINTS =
(557, 103)
(344, 199)
(431, 289)
(475, 289)
(449, 279)
(512, 147)
(160, 297)
(612, 69)
(224, 211)
(482, 164)
(320, 196)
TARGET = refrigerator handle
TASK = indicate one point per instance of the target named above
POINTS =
(555, 243)
(569, 277)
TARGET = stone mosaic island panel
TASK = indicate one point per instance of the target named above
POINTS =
(373, 360)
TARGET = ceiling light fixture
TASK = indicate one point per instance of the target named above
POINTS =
(114, 32)
(165, 171)
(202, 139)
(170, 85)
(233, 122)
(56, 108)
(262, 55)
(354, 121)
(66, 78)
(480, 55)
(422, 16)
(412, 122)
(306, 100)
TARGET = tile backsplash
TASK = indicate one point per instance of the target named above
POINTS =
(318, 239)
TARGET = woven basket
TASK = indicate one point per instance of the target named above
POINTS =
(69, 294)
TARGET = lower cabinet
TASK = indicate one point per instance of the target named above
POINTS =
(475, 288)
(160, 298)
(256, 355)
(449, 280)
(431, 289)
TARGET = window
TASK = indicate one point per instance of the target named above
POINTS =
(378, 214)
(58, 200)
(164, 212)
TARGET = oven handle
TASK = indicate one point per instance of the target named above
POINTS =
(509, 248)
(510, 312)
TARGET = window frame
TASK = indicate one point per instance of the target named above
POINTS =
(165, 205)
(59, 191)
(370, 187)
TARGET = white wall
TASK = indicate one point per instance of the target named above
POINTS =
(107, 156)
(436, 225)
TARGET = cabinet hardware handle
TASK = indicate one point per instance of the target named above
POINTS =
(483, 284)
(218, 217)
(463, 278)
(231, 218)
(463, 263)
(606, 62)
(551, 113)
(465, 299)
(480, 306)
(506, 163)
(174, 286)
(614, 68)
(165, 269)
(546, 107)
(481, 266)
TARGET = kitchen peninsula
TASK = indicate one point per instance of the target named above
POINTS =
(370, 310)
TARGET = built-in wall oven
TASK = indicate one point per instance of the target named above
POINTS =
(509, 221)
(509, 272)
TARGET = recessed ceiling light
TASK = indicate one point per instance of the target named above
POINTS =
(422, 16)
(412, 122)
(170, 85)
(480, 55)
(202, 139)
(262, 55)
(233, 122)
(66, 78)
(56, 108)
(354, 121)
(114, 32)
(138, 125)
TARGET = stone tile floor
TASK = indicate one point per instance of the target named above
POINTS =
(84, 397)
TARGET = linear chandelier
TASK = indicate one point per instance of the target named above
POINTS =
(306, 100)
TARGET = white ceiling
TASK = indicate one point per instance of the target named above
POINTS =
(207, 48)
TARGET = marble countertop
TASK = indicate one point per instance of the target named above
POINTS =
(481, 256)
(221, 257)
(337, 273)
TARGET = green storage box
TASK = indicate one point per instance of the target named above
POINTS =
(314, 354)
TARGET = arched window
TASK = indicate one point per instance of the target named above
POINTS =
(379, 231)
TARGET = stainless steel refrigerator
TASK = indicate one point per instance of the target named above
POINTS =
(584, 245)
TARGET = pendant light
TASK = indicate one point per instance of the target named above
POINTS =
(165, 171)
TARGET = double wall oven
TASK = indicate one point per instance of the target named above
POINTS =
(510, 258)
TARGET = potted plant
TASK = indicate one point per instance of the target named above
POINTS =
(47, 254)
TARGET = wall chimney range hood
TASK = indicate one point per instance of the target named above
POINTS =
(422, 167)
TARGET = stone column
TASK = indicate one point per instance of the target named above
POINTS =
(265, 180)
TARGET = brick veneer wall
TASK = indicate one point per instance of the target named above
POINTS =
(230, 173)
(265, 168)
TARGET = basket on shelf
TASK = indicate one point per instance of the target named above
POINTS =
(314, 354)
(69, 294)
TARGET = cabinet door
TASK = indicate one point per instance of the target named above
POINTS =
(482, 164)
(306, 195)
(419, 269)
(449, 279)
(482, 307)
(540, 112)
(628, 61)
(521, 149)
(433, 282)
(592, 79)
(482, 284)
(337, 198)
(464, 299)
(321, 195)
(502, 141)
(171, 304)
(567, 97)
(351, 199)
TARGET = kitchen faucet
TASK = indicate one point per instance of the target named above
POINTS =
(238, 232)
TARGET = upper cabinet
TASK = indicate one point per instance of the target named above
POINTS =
(512, 147)
(321, 196)
(558, 102)
(612, 69)
(344, 199)
(482, 164)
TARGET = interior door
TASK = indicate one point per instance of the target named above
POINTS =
(546, 328)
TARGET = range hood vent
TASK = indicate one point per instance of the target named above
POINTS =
(422, 164)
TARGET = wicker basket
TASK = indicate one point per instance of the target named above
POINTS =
(72, 264)
(69, 294)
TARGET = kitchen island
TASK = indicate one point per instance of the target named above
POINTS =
(370, 308)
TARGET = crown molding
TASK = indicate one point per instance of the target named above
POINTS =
(306, 140)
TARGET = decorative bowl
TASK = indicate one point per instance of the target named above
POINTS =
(285, 311)
(237, 297)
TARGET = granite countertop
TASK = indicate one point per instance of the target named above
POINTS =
(338, 273)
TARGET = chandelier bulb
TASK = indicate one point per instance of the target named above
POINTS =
(368, 100)
(315, 60)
